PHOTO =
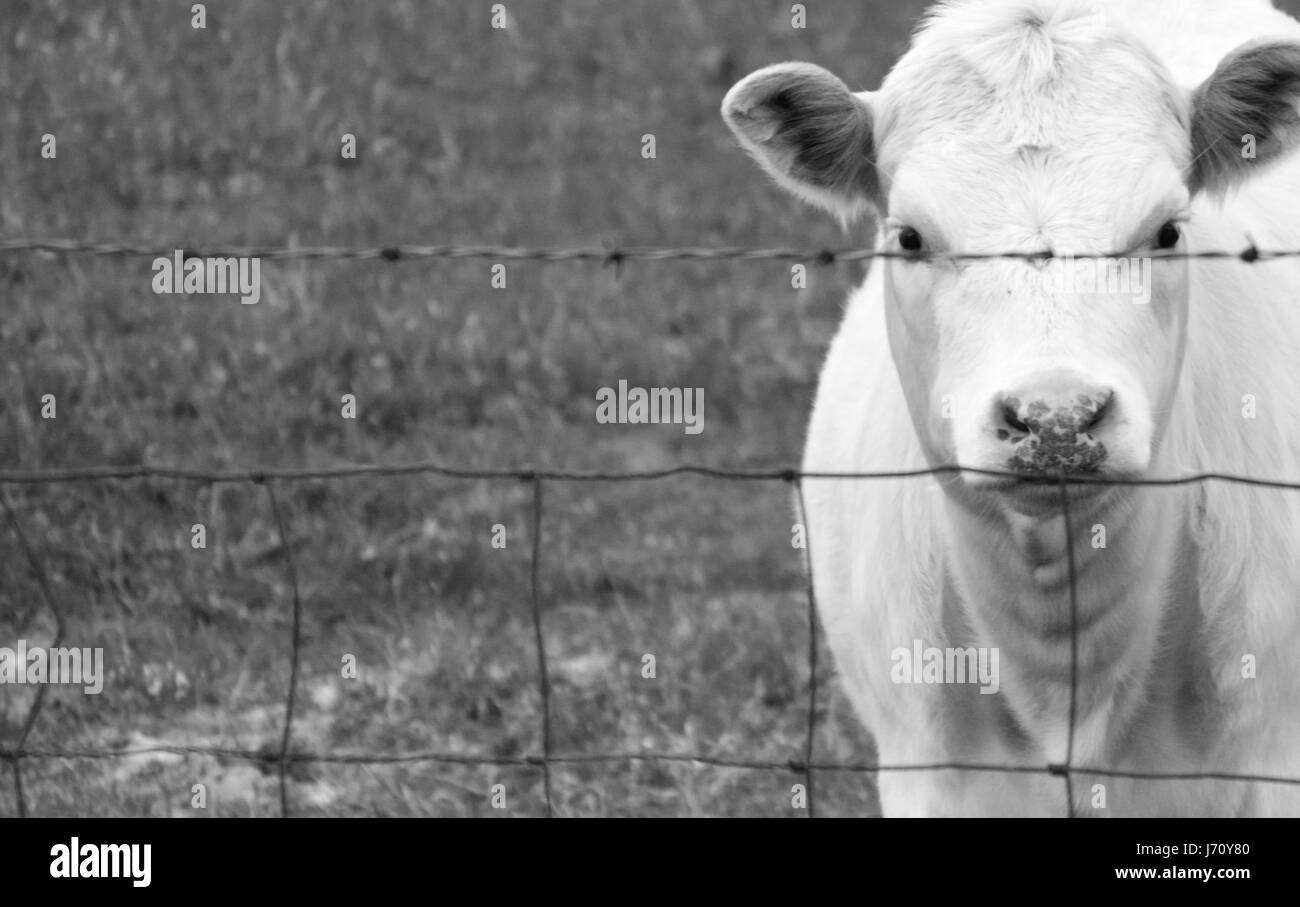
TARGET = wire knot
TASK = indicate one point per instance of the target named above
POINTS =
(615, 258)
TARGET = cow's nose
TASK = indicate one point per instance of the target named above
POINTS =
(1054, 422)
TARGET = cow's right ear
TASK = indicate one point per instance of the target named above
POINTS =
(809, 132)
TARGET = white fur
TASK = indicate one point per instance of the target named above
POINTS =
(1200, 575)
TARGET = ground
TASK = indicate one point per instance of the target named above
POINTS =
(531, 136)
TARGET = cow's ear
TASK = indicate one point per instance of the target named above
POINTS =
(1246, 114)
(810, 132)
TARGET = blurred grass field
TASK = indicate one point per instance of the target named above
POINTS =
(528, 136)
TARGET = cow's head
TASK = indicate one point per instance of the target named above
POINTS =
(1020, 129)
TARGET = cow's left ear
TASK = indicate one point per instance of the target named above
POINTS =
(1246, 114)
(809, 132)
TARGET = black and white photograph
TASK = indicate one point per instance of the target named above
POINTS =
(445, 409)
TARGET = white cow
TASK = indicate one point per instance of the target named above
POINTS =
(1079, 128)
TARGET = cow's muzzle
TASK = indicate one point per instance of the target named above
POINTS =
(1054, 423)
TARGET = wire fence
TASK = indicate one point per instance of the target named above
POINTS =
(15, 753)
(613, 255)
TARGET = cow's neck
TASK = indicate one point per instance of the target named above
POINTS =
(1010, 576)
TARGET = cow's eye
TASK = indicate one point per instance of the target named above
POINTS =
(909, 240)
(1168, 236)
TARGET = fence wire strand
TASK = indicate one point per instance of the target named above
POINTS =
(609, 255)
(38, 699)
(806, 767)
(812, 647)
(291, 573)
(543, 680)
(1074, 650)
(287, 756)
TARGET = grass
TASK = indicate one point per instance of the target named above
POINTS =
(531, 136)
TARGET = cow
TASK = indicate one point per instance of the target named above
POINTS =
(1016, 159)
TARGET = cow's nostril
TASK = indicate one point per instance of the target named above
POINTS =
(1011, 419)
(1102, 404)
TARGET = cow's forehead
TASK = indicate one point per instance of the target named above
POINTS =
(1037, 126)
(1063, 198)
(1033, 80)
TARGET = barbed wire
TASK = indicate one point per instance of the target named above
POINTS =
(286, 755)
(364, 470)
(611, 255)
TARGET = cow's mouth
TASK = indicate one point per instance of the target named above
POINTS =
(1041, 496)
(1036, 497)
